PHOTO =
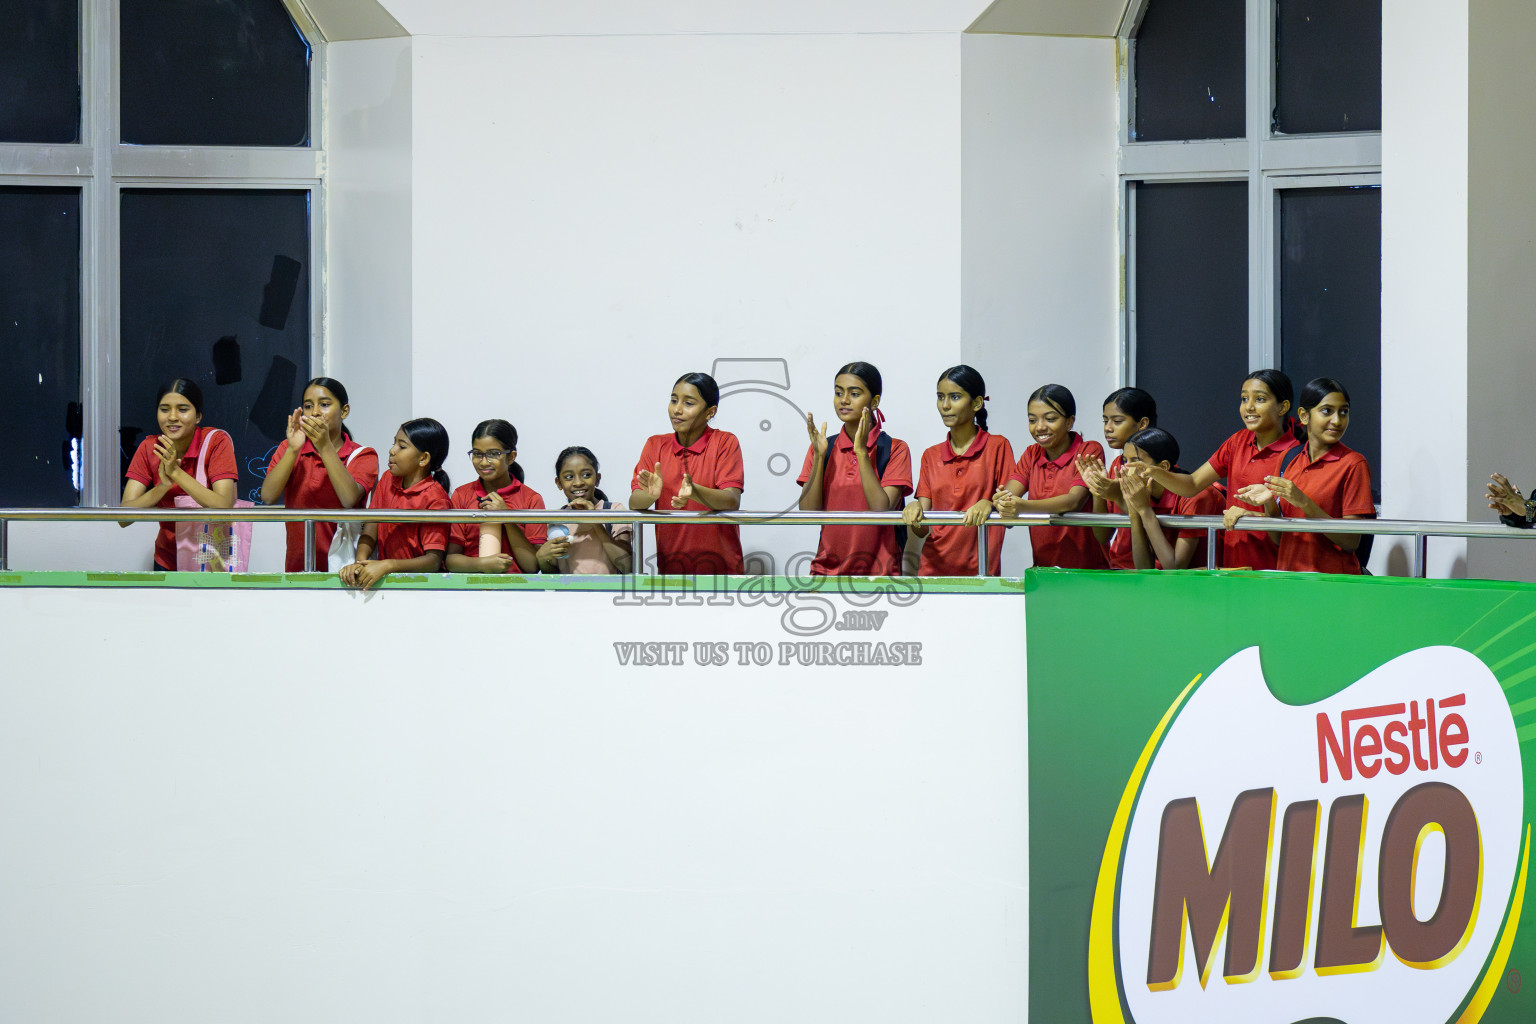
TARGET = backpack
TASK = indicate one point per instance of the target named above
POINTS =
(1363, 552)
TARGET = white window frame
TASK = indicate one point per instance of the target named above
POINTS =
(101, 167)
(1266, 161)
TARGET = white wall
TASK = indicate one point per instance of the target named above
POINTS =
(1501, 264)
(369, 258)
(391, 839)
(1041, 288)
(595, 216)
(1424, 271)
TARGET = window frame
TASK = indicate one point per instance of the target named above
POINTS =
(101, 166)
(1265, 160)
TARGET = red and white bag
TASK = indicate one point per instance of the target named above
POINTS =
(211, 547)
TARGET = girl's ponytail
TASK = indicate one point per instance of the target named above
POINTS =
(517, 472)
(967, 379)
(428, 435)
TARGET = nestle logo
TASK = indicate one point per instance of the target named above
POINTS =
(1359, 743)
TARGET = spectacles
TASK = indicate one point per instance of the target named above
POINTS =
(493, 455)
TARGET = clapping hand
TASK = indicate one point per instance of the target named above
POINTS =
(684, 493)
(650, 483)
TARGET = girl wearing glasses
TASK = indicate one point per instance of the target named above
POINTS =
(497, 487)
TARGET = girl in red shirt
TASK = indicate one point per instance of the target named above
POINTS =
(846, 474)
(697, 468)
(164, 466)
(319, 466)
(962, 472)
(1244, 459)
(1126, 412)
(1326, 480)
(1047, 472)
(415, 480)
(498, 486)
(1154, 546)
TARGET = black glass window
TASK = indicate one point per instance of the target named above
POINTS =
(1330, 302)
(1192, 308)
(1188, 58)
(200, 73)
(40, 71)
(1327, 66)
(40, 344)
(216, 287)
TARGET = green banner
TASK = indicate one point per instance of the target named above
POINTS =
(1273, 797)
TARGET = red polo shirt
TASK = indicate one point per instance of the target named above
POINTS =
(409, 540)
(1210, 502)
(857, 550)
(1340, 482)
(145, 468)
(953, 483)
(1240, 461)
(309, 486)
(516, 495)
(714, 460)
(1069, 547)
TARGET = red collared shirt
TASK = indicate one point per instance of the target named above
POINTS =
(1069, 547)
(1210, 502)
(953, 483)
(1242, 462)
(714, 460)
(857, 550)
(409, 540)
(309, 486)
(145, 468)
(1339, 481)
(516, 494)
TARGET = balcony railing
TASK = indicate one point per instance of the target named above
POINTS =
(1419, 530)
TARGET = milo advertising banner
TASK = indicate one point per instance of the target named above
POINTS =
(1275, 798)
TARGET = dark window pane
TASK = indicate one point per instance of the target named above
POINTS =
(40, 71)
(1328, 66)
(1330, 302)
(1189, 63)
(215, 287)
(1192, 308)
(40, 344)
(196, 73)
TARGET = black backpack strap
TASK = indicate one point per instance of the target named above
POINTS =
(883, 459)
(1289, 457)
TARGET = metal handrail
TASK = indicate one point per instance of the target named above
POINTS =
(1420, 530)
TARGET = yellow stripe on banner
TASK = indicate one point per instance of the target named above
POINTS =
(1103, 990)
(1490, 984)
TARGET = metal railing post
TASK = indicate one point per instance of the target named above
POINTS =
(637, 550)
(5, 541)
(1419, 557)
(1212, 538)
(981, 549)
(309, 546)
